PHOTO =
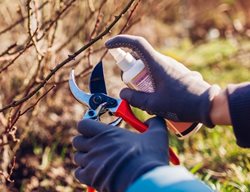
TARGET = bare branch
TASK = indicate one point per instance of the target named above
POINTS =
(130, 16)
(32, 36)
(28, 44)
(94, 31)
(91, 5)
(21, 20)
(37, 101)
(77, 31)
(125, 26)
(59, 14)
(70, 58)
(8, 49)
(7, 177)
(82, 73)
(46, 28)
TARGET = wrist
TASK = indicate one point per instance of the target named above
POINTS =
(206, 105)
(219, 113)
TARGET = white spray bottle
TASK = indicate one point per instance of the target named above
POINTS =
(136, 76)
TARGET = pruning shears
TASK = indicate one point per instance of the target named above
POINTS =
(99, 103)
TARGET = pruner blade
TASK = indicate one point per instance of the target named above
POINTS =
(80, 95)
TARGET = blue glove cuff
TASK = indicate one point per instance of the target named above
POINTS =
(170, 179)
(132, 169)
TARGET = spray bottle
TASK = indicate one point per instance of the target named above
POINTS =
(135, 76)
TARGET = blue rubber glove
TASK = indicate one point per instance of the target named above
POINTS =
(111, 158)
(180, 94)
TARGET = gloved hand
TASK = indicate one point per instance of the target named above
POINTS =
(111, 158)
(180, 94)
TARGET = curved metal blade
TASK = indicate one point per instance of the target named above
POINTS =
(116, 122)
(97, 82)
(80, 95)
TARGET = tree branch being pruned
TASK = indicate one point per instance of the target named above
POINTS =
(70, 58)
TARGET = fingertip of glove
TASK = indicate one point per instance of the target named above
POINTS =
(118, 40)
(111, 43)
(85, 124)
(81, 124)
(126, 93)
(77, 173)
(76, 141)
(108, 43)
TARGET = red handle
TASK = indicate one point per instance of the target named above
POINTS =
(90, 189)
(173, 158)
(124, 111)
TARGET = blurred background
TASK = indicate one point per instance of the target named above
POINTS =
(38, 115)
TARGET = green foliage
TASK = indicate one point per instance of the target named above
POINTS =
(219, 61)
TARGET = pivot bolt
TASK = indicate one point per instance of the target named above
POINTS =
(91, 113)
(97, 99)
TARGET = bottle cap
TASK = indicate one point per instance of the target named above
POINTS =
(124, 59)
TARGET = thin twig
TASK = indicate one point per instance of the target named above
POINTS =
(22, 19)
(94, 31)
(32, 36)
(50, 22)
(29, 42)
(58, 15)
(37, 101)
(11, 170)
(18, 113)
(91, 5)
(82, 73)
(130, 16)
(77, 31)
(7, 177)
(125, 26)
(26, 91)
(53, 36)
(8, 49)
(70, 58)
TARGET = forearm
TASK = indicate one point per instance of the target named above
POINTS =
(219, 112)
(232, 107)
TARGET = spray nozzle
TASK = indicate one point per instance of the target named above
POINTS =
(117, 53)
(124, 59)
